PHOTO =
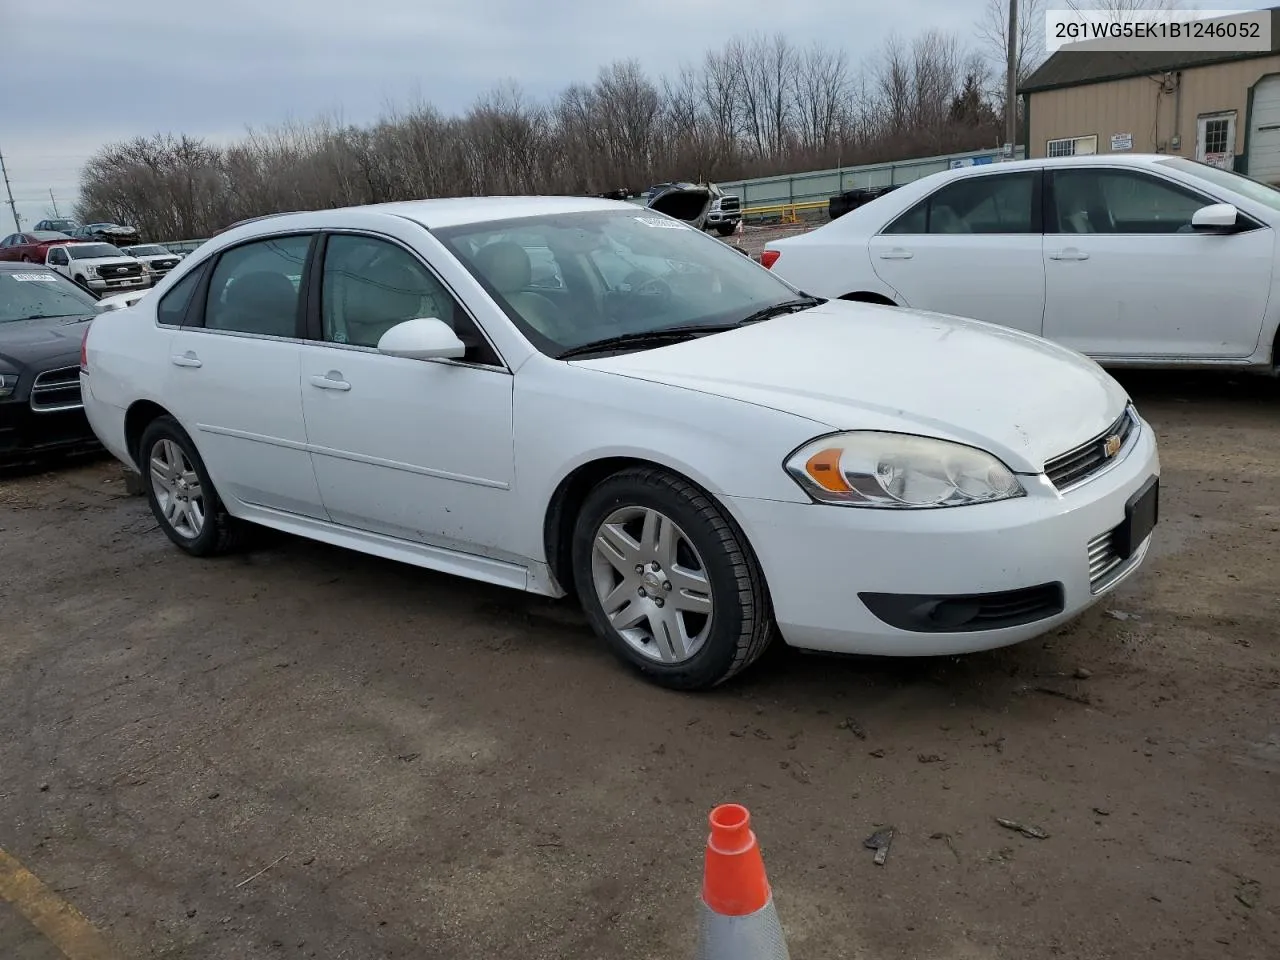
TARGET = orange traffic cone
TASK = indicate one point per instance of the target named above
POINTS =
(738, 920)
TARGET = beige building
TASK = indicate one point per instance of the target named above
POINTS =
(1220, 108)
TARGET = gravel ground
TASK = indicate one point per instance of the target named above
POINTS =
(434, 768)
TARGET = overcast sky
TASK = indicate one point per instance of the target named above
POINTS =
(78, 73)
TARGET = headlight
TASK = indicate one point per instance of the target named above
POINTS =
(899, 471)
(90, 271)
(8, 383)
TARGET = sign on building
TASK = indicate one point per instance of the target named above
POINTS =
(958, 162)
(1121, 142)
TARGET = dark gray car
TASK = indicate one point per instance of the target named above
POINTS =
(43, 320)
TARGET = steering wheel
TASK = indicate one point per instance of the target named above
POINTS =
(647, 285)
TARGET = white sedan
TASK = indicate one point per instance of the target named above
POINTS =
(701, 454)
(1134, 260)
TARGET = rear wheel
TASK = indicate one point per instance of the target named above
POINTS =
(181, 495)
(668, 580)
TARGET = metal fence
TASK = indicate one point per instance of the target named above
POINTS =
(768, 198)
(816, 187)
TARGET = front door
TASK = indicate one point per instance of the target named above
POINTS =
(419, 450)
(972, 248)
(233, 377)
(1216, 139)
(1127, 276)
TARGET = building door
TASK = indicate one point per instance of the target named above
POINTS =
(1264, 131)
(1216, 139)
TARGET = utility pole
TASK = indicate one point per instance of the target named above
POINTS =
(54, 201)
(1011, 80)
(13, 207)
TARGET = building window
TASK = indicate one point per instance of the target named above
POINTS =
(1073, 146)
(1217, 134)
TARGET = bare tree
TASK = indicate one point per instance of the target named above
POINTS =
(1118, 8)
(820, 91)
(993, 38)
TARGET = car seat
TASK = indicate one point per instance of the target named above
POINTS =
(507, 267)
(262, 302)
(388, 292)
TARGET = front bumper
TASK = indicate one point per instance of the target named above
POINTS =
(717, 216)
(28, 435)
(827, 567)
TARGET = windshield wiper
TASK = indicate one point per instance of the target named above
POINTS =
(778, 309)
(689, 330)
(644, 338)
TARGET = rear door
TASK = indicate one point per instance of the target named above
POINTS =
(971, 248)
(1128, 277)
(234, 375)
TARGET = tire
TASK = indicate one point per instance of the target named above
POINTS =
(163, 441)
(726, 229)
(80, 280)
(706, 564)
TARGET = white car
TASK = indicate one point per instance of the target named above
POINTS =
(1133, 260)
(695, 450)
(99, 267)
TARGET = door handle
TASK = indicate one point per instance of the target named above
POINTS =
(1071, 253)
(897, 253)
(330, 381)
(188, 359)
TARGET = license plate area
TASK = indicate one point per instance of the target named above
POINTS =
(1141, 513)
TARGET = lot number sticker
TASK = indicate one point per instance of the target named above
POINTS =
(35, 277)
(661, 224)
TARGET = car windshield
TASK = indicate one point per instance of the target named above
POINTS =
(149, 250)
(567, 280)
(92, 251)
(1245, 186)
(36, 293)
(48, 235)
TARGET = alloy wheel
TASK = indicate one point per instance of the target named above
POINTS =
(177, 489)
(652, 584)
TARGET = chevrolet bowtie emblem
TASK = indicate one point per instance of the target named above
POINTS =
(1111, 445)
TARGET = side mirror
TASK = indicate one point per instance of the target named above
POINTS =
(425, 338)
(1216, 216)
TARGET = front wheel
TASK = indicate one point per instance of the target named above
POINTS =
(668, 580)
(726, 229)
(181, 495)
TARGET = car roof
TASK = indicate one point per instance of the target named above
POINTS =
(1081, 160)
(446, 212)
(459, 210)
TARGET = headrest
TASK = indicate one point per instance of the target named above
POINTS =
(505, 265)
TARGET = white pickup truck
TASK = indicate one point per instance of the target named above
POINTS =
(97, 266)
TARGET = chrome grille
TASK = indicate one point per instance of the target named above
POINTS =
(1103, 559)
(1080, 464)
(56, 390)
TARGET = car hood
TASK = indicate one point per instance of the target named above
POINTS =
(861, 366)
(24, 343)
(105, 261)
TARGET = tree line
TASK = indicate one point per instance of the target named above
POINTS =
(756, 106)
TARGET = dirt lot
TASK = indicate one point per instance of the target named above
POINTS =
(432, 768)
